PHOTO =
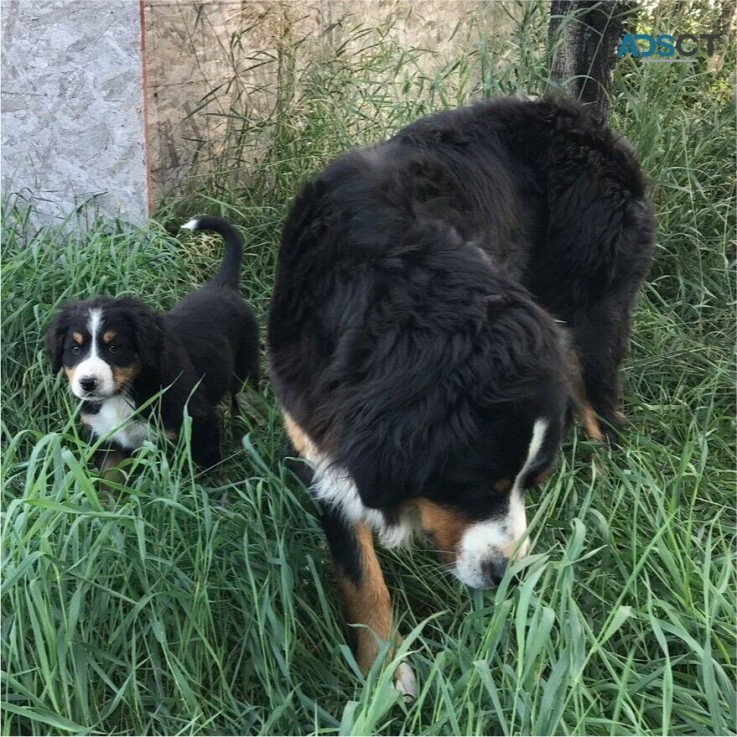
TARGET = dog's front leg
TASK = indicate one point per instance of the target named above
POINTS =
(366, 599)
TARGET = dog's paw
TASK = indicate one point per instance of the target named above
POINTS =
(405, 682)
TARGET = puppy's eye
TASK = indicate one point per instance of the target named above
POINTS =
(75, 348)
(112, 347)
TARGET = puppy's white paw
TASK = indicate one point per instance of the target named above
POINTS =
(405, 682)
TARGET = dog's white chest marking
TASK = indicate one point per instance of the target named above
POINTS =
(116, 412)
(334, 486)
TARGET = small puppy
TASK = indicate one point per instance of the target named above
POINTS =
(118, 353)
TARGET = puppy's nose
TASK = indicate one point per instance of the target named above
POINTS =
(495, 568)
(88, 383)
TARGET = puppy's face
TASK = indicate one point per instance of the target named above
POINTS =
(96, 343)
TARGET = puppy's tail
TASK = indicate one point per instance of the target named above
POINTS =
(230, 270)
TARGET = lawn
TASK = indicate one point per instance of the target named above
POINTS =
(204, 603)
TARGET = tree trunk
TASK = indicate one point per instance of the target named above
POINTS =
(583, 37)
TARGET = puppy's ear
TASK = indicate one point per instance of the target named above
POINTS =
(55, 335)
(148, 330)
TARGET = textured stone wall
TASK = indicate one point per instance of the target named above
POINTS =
(72, 107)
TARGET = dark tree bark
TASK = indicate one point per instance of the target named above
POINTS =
(583, 37)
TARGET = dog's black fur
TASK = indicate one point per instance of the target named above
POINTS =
(202, 349)
(438, 291)
(412, 324)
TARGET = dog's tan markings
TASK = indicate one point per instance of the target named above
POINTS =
(589, 421)
(301, 441)
(296, 434)
(543, 476)
(368, 603)
(586, 415)
(110, 461)
(78, 338)
(110, 472)
(445, 526)
(123, 376)
(503, 485)
(108, 336)
(70, 372)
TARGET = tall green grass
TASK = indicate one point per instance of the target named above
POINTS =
(204, 603)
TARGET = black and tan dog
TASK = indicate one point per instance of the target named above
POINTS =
(118, 353)
(444, 302)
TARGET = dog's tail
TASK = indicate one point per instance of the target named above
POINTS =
(230, 270)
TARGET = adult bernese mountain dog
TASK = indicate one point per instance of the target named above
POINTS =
(445, 301)
(119, 353)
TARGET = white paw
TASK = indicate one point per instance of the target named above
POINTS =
(405, 682)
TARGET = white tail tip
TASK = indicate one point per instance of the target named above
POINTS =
(192, 224)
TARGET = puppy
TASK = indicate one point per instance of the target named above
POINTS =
(444, 302)
(118, 353)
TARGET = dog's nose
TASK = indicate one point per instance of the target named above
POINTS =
(495, 568)
(88, 383)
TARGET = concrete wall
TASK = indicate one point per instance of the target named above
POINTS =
(72, 107)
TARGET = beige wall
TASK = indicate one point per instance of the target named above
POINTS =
(204, 60)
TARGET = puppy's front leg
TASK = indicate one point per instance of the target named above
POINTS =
(109, 460)
(366, 598)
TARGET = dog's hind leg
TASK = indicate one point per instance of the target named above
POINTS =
(584, 411)
(206, 439)
(601, 337)
(246, 369)
(366, 599)
(247, 355)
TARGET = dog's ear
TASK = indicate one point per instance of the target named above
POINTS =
(148, 329)
(374, 482)
(387, 471)
(55, 335)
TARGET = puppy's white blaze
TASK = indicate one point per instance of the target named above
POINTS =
(193, 224)
(94, 321)
(93, 367)
(502, 537)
